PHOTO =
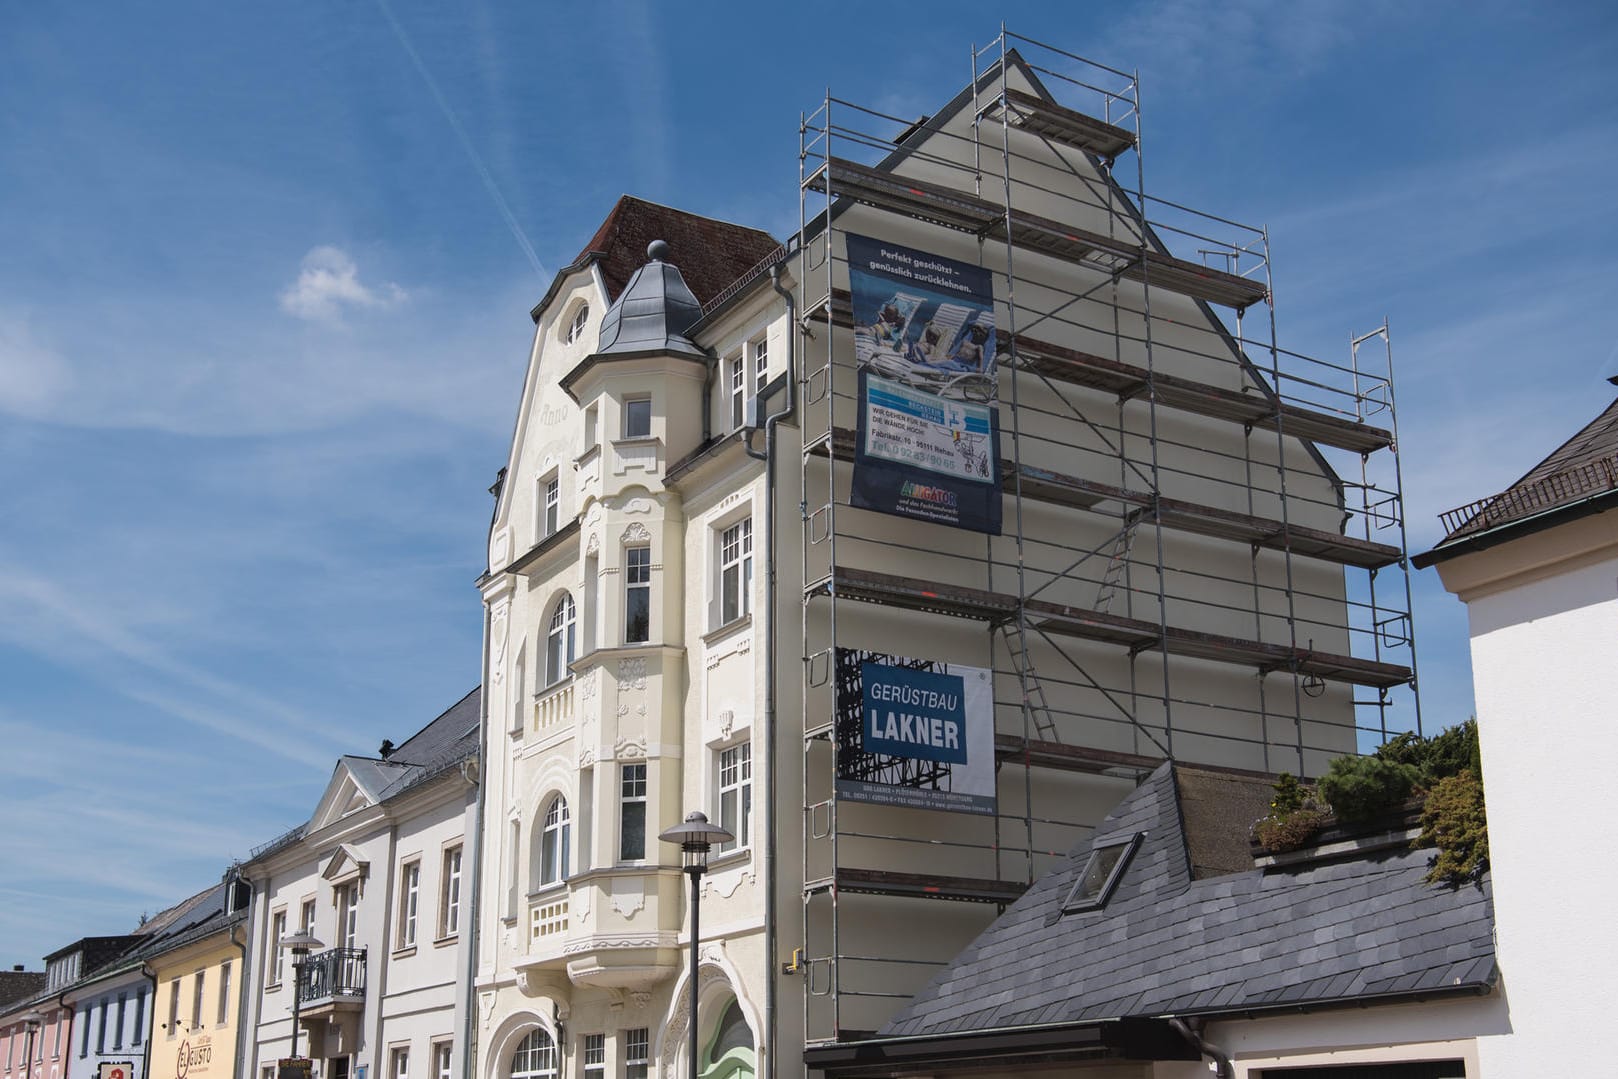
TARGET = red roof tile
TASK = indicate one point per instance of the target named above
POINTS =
(710, 254)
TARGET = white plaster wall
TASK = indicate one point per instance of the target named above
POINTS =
(1542, 655)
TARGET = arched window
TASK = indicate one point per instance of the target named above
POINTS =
(581, 319)
(555, 842)
(535, 1058)
(561, 643)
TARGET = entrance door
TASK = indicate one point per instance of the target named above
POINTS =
(336, 1068)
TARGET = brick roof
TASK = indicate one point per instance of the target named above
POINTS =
(1172, 941)
(710, 254)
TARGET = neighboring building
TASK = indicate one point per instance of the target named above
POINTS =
(1536, 566)
(1161, 943)
(113, 1003)
(199, 968)
(381, 874)
(18, 983)
(42, 1023)
(1167, 578)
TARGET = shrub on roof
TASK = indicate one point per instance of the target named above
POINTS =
(1454, 822)
(1364, 788)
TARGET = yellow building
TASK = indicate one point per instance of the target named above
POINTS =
(199, 977)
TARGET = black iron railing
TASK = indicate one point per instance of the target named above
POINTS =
(337, 974)
(1525, 500)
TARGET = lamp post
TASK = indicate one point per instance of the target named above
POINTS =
(696, 838)
(300, 944)
(31, 1021)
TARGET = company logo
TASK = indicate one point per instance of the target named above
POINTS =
(921, 492)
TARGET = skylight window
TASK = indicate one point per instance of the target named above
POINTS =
(1100, 875)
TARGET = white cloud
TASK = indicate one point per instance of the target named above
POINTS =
(328, 283)
(32, 375)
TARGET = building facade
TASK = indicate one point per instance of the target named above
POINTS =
(380, 875)
(1535, 566)
(200, 971)
(692, 574)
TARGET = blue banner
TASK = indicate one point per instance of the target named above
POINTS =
(914, 713)
(924, 339)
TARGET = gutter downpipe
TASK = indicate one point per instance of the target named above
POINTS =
(151, 1021)
(771, 900)
(468, 1040)
(243, 1069)
(1222, 1068)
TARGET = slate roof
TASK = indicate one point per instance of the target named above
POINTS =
(1579, 471)
(20, 985)
(1174, 942)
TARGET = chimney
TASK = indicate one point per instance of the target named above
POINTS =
(387, 749)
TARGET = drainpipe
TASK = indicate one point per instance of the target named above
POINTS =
(150, 1019)
(469, 1015)
(1222, 1068)
(771, 901)
(243, 1070)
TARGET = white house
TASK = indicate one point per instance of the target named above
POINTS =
(1043, 487)
(1537, 567)
(380, 875)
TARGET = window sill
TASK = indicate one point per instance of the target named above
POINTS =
(587, 456)
(738, 856)
(444, 941)
(545, 891)
(735, 625)
(404, 953)
(272, 987)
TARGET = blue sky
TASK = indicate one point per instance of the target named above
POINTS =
(264, 282)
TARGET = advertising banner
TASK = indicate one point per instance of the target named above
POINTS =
(924, 340)
(915, 733)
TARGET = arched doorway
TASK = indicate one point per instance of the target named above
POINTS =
(728, 1051)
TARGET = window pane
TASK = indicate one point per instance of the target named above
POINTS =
(638, 418)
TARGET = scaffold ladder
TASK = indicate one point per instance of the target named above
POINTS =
(1117, 564)
(1033, 694)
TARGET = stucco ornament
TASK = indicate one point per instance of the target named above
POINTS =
(499, 549)
(628, 896)
(632, 673)
(593, 544)
(636, 533)
(708, 973)
(629, 749)
(499, 619)
(638, 505)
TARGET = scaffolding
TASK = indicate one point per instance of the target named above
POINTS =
(1191, 567)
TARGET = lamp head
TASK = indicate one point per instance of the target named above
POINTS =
(696, 838)
(301, 943)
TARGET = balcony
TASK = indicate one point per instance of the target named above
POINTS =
(553, 708)
(333, 981)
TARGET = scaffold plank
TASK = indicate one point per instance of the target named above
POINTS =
(1124, 380)
(1047, 485)
(1061, 124)
(955, 209)
(928, 886)
(1131, 633)
(1068, 758)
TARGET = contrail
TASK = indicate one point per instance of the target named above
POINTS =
(466, 143)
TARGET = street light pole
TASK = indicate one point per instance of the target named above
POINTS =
(300, 944)
(696, 838)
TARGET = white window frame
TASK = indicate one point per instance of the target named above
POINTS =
(633, 780)
(733, 575)
(346, 898)
(278, 929)
(577, 322)
(444, 1060)
(555, 842)
(758, 354)
(308, 913)
(548, 504)
(637, 579)
(399, 1062)
(631, 407)
(593, 1056)
(198, 988)
(736, 388)
(561, 640)
(637, 1052)
(449, 894)
(543, 1059)
(733, 780)
(224, 1003)
(409, 902)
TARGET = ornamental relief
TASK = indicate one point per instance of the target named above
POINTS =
(636, 533)
(632, 673)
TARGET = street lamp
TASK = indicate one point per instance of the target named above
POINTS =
(31, 1021)
(696, 838)
(300, 944)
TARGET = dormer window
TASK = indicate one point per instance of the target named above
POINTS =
(1101, 873)
(576, 325)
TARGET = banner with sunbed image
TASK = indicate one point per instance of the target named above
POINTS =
(924, 341)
